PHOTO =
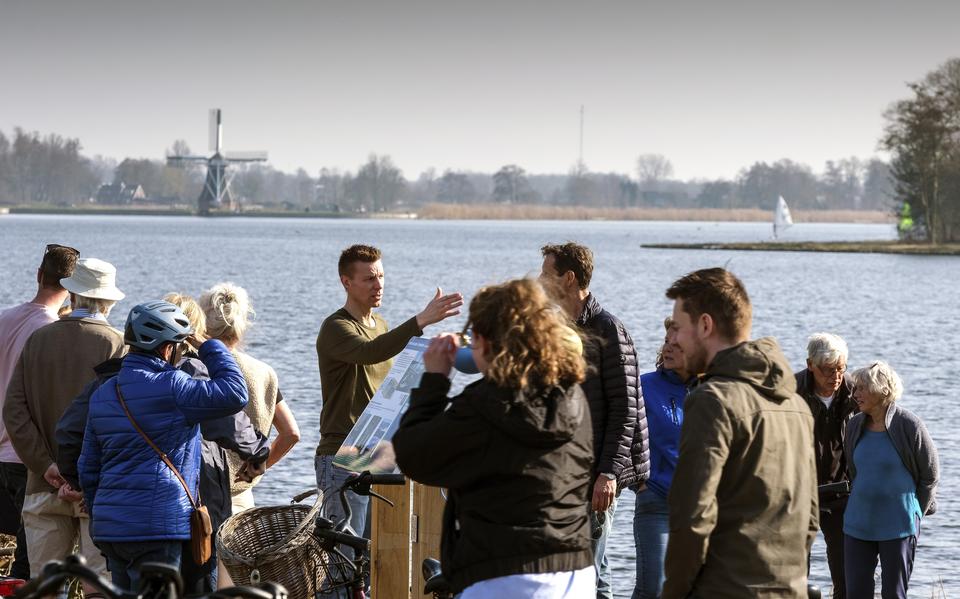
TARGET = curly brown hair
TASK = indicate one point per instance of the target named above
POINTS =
(528, 336)
(572, 256)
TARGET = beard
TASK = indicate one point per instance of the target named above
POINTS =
(695, 359)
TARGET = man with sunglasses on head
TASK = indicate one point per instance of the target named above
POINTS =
(828, 391)
(56, 362)
(16, 326)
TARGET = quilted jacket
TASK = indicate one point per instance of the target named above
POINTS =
(612, 387)
(132, 494)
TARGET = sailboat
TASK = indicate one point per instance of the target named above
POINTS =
(781, 217)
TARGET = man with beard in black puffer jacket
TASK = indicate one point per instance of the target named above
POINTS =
(612, 387)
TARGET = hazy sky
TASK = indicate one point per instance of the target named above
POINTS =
(713, 85)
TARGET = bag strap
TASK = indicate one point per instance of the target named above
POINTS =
(163, 456)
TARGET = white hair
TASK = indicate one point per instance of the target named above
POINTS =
(93, 305)
(228, 311)
(879, 379)
(826, 348)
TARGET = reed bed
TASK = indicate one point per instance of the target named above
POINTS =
(546, 212)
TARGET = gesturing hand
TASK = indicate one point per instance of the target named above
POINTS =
(439, 308)
(441, 354)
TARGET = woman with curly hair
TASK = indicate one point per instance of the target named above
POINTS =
(514, 449)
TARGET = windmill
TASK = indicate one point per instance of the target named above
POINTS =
(216, 188)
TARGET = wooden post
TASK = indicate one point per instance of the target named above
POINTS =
(428, 506)
(403, 536)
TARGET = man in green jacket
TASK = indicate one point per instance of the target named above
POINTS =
(355, 351)
(743, 503)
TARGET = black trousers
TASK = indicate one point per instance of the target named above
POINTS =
(13, 484)
(831, 525)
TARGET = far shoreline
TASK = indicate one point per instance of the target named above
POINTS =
(843, 247)
(493, 212)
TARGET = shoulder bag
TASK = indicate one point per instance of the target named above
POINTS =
(201, 528)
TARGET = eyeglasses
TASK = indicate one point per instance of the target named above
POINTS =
(832, 371)
(465, 337)
(67, 248)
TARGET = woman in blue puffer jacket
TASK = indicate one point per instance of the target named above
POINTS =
(663, 393)
(139, 510)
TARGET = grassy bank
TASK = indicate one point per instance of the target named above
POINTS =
(861, 247)
(540, 212)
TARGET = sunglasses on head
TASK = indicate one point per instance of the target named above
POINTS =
(57, 246)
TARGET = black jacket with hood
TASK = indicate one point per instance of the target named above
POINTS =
(518, 468)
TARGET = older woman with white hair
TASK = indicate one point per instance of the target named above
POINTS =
(894, 471)
(228, 313)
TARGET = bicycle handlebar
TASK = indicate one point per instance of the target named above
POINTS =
(158, 581)
(358, 543)
(385, 479)
(55, 573)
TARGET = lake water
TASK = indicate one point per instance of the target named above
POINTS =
(899, 308)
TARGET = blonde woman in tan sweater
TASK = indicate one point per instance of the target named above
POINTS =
(228, 312)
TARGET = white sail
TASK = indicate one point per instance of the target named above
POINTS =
(781, 217)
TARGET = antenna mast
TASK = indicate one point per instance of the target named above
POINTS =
(581, 136)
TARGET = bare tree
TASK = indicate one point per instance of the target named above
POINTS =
(653, 169)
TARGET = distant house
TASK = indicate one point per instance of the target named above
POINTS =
(120, 193)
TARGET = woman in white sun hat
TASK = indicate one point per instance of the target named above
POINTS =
(93, 289)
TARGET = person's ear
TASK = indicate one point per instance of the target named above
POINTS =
(39, 276)
(705, 325)
(345, 281)
(570, 279)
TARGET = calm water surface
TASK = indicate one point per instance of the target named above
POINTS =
(899, 308)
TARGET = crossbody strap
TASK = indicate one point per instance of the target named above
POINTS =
(153, 445)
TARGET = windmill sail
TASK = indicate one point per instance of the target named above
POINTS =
(781, 217)
(216, 189)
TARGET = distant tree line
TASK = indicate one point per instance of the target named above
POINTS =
(52, 170)
(922, 134)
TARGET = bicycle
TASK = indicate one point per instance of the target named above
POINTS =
(346, 573)
(157, 581)
(434, 582)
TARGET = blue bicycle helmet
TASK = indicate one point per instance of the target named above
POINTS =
(151, 324)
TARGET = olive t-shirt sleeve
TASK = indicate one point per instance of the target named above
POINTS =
(339, 341)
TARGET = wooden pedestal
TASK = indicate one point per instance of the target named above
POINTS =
(403, 536)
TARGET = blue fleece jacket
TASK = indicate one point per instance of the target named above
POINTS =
(663, 395)
(133, 495)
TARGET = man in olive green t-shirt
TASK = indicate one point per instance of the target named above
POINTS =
(355, 351)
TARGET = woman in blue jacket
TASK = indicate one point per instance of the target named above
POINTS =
(140, 512)
(663, 393)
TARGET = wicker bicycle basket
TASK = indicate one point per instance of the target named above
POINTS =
(275, 544)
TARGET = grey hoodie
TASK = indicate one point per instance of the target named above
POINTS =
(914, 446)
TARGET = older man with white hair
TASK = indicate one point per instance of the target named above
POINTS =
(56, 362)
(828, 391)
